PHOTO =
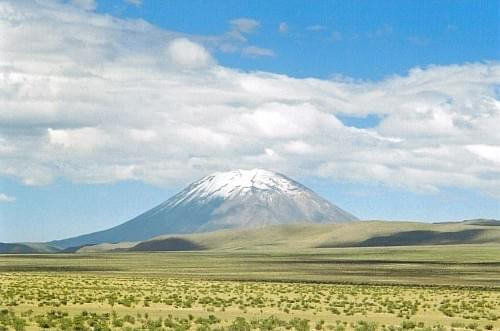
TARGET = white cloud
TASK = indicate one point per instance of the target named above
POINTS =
(4, 198)
(85, 4)
(241, 27)
(96, 99)
(187, 54)
(236, 40)
(299, 147)
(246, 25)
(77, 141)
(486, 152)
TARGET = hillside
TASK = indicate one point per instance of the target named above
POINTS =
(26, 248)
(310, 236)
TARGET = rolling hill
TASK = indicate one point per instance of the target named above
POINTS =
(312, 236)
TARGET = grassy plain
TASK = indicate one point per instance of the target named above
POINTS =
(390, 288)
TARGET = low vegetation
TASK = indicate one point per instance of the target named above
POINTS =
(389, 289)
(90, 302)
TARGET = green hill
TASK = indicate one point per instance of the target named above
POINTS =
(307, 236)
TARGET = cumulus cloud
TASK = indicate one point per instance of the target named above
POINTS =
(187, 54)
(4, 198)
(94, 98)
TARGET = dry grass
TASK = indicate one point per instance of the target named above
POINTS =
(392, 288)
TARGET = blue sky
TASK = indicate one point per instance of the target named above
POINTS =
(386, 108)
(359, 39)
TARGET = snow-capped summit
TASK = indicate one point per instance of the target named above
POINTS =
(233, 199)
(237, 182)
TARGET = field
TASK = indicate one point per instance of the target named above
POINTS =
(391, 288)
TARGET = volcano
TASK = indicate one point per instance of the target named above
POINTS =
(234, 199)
